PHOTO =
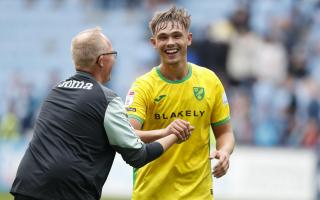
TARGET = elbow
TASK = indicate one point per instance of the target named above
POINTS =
(135, 164)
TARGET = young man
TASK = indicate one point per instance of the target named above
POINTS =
(80, 127)
(178, 89)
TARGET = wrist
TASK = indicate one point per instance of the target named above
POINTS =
(174, 138)
(225, 151)
(163, 133)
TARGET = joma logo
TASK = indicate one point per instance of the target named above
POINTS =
(157, 100)
(75, 85)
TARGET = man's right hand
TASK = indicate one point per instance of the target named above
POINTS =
(181, 128)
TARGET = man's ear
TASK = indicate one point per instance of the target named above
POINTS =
(189, 38)
(100, 63)
(153, 42)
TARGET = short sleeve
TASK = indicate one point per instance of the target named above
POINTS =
(137, 101)
(221, 111)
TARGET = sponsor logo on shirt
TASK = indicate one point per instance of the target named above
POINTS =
(73, 84)
(159, 98)
(198, 92)
(183, 113)
(131, 109)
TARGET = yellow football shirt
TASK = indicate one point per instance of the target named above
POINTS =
(183, 172)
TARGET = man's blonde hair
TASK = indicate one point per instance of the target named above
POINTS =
(175, 15)
(87, 46)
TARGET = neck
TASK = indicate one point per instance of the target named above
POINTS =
(174, 72)
(94, 71)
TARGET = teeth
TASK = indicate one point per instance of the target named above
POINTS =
(171, 51)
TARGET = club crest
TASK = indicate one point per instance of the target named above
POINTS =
(198, 92)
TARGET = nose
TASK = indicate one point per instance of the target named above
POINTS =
(170, 41)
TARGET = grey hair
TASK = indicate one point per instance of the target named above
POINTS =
(86, 46)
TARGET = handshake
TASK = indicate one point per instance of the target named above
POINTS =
(181, 128)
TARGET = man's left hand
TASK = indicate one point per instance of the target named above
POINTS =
(221, 168)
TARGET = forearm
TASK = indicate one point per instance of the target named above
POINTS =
(152, 151)
(150, 136)
(182, 129)
(225, 142)
(224, 137)
(167, 141)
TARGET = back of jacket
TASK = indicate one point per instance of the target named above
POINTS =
(69, 156)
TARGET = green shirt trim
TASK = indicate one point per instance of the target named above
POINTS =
(176, 81)
(136, 117)
(221, 122)
(134, 175)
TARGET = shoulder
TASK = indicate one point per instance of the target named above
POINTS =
(204, 73)
(147, 80)
(108, 93)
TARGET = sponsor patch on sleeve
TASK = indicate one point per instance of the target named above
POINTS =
(129, 98)
(131, 109)
(224, 98)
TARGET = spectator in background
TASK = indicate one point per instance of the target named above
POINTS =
(241, 115)
(9, 125)
(271, 61)
(244, 47)
(177, 88)
(80, 127)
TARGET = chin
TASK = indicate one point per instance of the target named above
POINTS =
(172, 62)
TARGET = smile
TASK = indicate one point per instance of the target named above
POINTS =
(171, 51)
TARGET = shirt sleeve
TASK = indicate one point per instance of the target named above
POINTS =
(221, 111)
(137, 101)
(123, 139)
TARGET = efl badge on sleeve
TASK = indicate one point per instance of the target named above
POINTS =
(198, 92)
(129, 98)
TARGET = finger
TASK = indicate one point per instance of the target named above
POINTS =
(221, 172)
(178, 133)
(223, 161)
(213, 155)
(186, 124)
(177, 126)
(221, 167)
(184, 129)
(189, 126)
(179, 141)
(217, 167)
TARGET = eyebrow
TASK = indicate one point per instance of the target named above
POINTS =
(171, 33)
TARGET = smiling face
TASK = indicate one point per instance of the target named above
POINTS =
(171, 40)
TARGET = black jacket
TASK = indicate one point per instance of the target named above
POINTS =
(80, 127)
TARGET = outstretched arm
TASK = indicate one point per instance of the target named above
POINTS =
(181, 128)
(122, 137)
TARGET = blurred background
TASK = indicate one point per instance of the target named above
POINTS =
(266, 52)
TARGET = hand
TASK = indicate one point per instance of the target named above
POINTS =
(191, 128)
(181, 128)
(221, 168)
